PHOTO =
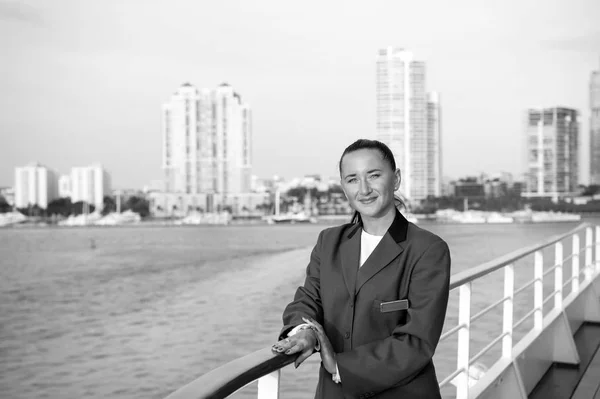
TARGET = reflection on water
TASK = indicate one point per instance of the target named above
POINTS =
(145, 310)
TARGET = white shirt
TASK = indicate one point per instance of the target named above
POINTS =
(368, 243)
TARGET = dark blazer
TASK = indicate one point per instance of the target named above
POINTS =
(383, 354)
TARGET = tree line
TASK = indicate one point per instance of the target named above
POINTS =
(64, 207)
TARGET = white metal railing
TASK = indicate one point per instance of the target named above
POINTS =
(463, 282)
(266, 367)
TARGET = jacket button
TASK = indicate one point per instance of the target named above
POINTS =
(351, 305)
(347, 335)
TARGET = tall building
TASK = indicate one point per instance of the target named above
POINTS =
(408, 121)
(595, 128)
(552, 144)
(233, 121)
(207, 137)
(90, 184)
(35, 184)
(434, 145)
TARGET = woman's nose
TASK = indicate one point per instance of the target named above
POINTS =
(364, 188)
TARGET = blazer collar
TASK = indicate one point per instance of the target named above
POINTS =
(387, 250)
(397, 230)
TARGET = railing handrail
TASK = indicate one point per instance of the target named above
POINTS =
(471, 274)
(232, 376)
(236, 374)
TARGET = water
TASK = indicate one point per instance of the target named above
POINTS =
(138, 312)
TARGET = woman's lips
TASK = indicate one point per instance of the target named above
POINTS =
(367, 200)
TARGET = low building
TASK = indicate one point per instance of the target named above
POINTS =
(180, 204)
(470, 188)
(90, 184)
(35, 184)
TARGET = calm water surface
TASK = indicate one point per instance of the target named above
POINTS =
(137, 312)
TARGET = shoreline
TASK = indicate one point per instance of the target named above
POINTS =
(33, 226)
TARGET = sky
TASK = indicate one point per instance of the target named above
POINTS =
(83, 82)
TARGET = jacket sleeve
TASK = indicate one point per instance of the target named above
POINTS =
(395, 360)
(307, 300)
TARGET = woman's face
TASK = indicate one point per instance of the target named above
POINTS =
(369, 182)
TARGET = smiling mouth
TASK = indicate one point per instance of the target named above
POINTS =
(367, 200)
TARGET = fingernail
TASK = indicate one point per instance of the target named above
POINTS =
(287, 352)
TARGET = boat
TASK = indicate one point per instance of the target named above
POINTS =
(541, 217)
(469, 217)
(496, 217)
(291, 218)
(114, 219)
(81, 220)
(10, 218)
(198, 218)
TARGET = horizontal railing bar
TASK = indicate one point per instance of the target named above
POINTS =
(568, 281)
(473, 273)
(551, 269)
(527, 285)
(578, 253)
(522, 319)
(487, 348)
(550, 296)
(487, 309)
(452, 331)
(230, 377)
(451, 376)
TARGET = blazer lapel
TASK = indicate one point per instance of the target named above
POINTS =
(386, 251)
(350, 256)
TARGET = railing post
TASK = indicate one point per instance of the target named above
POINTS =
(558, 275)
(507, 322)
(464, 319)
(597, 249)
(538, 290)
(588, 253)
(268, 386)
(575, 264)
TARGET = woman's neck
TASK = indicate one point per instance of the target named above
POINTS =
(378, 226)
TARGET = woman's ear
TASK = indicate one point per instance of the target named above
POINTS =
(397, 179)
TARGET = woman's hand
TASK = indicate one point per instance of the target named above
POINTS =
(327, 353)
(303, 341)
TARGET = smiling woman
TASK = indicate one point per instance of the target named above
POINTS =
(375, 294)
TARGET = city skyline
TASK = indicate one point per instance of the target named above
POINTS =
(77, 91)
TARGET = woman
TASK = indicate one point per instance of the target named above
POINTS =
(375, 294)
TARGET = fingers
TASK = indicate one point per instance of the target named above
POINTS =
(294, 349)
(283, 345)
(317, 327)
(303, 357)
